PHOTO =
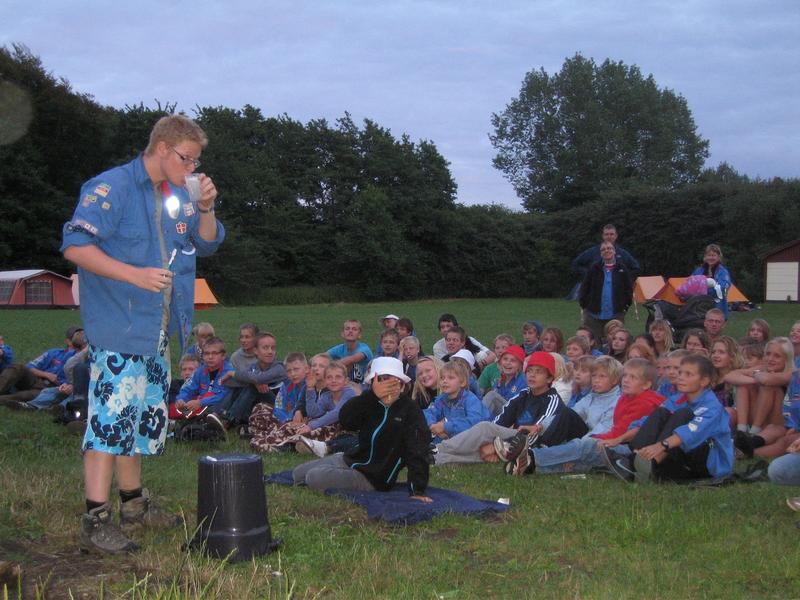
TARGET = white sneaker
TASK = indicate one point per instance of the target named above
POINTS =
(317, 448)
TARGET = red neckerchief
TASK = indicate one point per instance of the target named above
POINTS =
(682, 399)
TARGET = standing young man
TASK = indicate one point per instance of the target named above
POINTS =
(135, 236)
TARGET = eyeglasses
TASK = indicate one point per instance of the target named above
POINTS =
(186, 160)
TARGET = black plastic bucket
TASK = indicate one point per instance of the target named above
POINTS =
(232, 507)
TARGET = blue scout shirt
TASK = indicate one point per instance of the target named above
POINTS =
(791, 404)
(53, 361)
(711, 423)
(121, 213)
(359, 369)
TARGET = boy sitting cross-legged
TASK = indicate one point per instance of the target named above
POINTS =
(595, 410)
(456, 409)
(583, 454)
(529, 413)
(266, 419)
(204, 392)
(689, 436)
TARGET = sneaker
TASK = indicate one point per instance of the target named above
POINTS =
(521, 463)
(744, 443)
(218, 424)
(617, 465)
(315, 447)
(143, 511)
(100, 534)
(17, 405)
(508, 449)
(794, 503)
(643, 469)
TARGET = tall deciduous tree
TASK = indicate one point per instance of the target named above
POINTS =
(590, 128)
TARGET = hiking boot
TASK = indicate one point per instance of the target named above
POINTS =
(100, 534)
(317, 448)
(508, 449)
(643, 469)
(617, 464)
(794, 503)
(217, 423)
(143, 511)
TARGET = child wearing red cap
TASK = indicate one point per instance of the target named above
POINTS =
(512, 380)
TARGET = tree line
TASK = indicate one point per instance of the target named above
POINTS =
(360, 213)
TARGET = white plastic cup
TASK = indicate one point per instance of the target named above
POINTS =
(192, 186)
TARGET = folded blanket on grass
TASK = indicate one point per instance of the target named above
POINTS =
(397, 508)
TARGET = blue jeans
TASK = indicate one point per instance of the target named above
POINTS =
(785, 470)
(48, 397)
(577, 456)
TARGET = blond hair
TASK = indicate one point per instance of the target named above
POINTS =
(174, 129)
(419, 394)
(610, 365)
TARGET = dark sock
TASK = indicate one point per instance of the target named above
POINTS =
(91, 505)
(756, 441)
(125, 495)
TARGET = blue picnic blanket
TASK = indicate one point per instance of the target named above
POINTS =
(397, 508)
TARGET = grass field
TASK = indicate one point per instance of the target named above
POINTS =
(562, 538)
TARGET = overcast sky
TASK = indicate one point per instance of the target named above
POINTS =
(435, 70)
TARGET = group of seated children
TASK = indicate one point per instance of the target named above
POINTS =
(633, 406)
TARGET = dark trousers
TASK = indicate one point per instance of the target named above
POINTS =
(678, 464)
(19, 378)
(566, 425)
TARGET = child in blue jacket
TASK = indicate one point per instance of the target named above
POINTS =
(456, 409)
(689, 436)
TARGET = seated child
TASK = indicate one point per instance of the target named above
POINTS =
(576, 347)
(456, 409)
(618, 344)
(696, 342)
(54, 396)
(774, 440)
(512, 380)
(428, 383)
(552, 340)
(202, 332)
(245, 354)
(669, 387)
(596, 411)
(581, 379)
(785, 470)
(404, 328)
(322, 410)
(563, 381)
(265, 418)
(491, 373)
(483, 356)
(688, 437)
(262, 379)
(187, 365)
(410, 353)
(6, 354)
(528, 414)
(531, 331)
(352, 353)
(388, 322)
(205, 391)
(642, 350)
(389, 344)
(581, 455)
(594, 343)
(374, 463)
(468, 360)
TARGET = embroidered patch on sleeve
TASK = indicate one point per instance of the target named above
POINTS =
(78, 224)
(103, 189)
(105, 205)
(188, 209)
(88, 199)
(180, 227)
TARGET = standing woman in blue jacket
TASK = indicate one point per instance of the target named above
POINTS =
(719, 278)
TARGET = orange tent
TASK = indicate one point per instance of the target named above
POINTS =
(203, 296)
(655, 288)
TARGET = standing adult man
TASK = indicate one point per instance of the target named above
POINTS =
(135, 236)
(606, 291)
(582, 262)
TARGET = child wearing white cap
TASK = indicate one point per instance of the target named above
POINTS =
(392, 435)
